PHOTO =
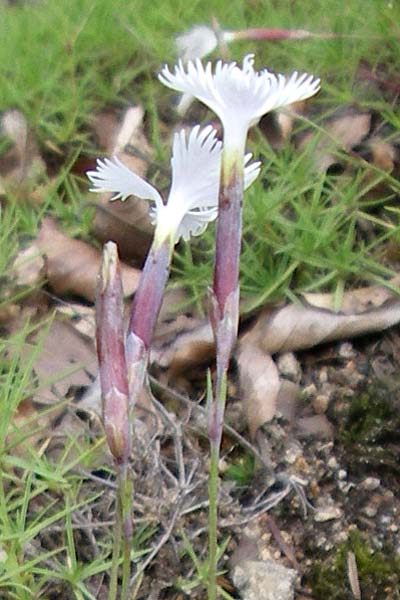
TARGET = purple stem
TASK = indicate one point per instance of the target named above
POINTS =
(226, 266)
(149, 295)
(225, 298)
(228, 240)
(111, 356)
(276, 35)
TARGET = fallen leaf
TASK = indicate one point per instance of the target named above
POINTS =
(105, 125)
(28, 266)
(341, 132)
(66, 359)
(8, 313)
(309, 322)
(356, 301)
(127, 223)
(277, 126)
(82, 316)
(378, 80)
(72, 265)
(21, 166)
(259, 385)
(188, 348)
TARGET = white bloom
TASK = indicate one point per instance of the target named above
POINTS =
(193, 198)
(197, 42)
(239, 96)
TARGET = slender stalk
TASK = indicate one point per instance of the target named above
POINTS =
(125, 492)
(213, 521)
(215, 433)
(224, 315)
(115, 405)
(145, 310)
(150, 293)
(123, 536)
(113, 590)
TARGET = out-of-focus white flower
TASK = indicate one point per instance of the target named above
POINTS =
(199, 41)
(193, 198)
(238, 95)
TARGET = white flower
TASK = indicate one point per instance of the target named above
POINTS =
(193, 197)
(239, 96)
(197, 42)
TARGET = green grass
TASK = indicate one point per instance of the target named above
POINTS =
(63, 62)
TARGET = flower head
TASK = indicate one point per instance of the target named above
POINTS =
(197, 42)
(238, 95)
(193, 198)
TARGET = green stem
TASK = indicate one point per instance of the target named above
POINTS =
(212, 521)
(125, 485)
(112, 592)
(215, 428)
(123, 535)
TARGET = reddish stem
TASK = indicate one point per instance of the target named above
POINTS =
(111, 356)
(149, 295)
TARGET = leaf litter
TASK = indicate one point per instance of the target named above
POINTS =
(293, 414)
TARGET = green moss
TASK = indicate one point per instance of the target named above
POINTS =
(378, 572)
(371, 434)
(241, 470)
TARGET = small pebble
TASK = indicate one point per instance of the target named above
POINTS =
(323, 375)
(332, 463)
(327, 513)
(342, 474)
(370, 510)
(371, 483)
(320, 404)
(310, 390)
(293, 452)
(289, 366)
(345, 486)
(346, 350)
(363, 368)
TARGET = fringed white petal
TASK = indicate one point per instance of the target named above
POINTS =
(195, 222)
(251, 170)
(195, 162)
(193, 198)
(114, 176)
(196, 169)
(238, 93)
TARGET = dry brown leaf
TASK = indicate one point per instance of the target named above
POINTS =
(127, 223)
(105, 125)
(22, 165)
(277, 126)
(189, 347)
(304, 325)
(292, 327)
(83, 317)
(66, 359)
(27, 418)
(259, 384)
(341, 132)
(9, 313)
(28, 266)
(376, 79)
(355, 301)
(72, 266)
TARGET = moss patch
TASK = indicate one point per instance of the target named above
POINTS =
(370, 435)
(378, 572)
